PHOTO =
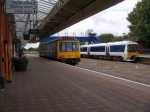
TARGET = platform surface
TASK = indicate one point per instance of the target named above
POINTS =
(50, 86)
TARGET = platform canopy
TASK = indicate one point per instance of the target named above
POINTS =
(56, 15)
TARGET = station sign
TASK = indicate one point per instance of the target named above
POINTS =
(21, 7)
(34, 31)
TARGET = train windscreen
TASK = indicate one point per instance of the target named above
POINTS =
(68, 46)
(132, 47)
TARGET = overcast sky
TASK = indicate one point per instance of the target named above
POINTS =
(112, 20)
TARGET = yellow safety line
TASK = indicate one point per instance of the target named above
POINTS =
(8, 63)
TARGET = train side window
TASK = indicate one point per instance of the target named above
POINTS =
(96, 49)
(55, 46)
(117, 48)
(104, 49)
(111, 48)
(99, 49)
(62, 46)
(82, 49)
(92, 49)
(49, 48)
(123, 48)
(52, 48)
(85, 49)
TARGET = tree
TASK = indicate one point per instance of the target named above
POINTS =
(140, 21)
(36, 49)
(106, 37)
(31, 49)
(118, 38)
(24, 49)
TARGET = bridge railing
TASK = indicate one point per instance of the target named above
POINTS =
(95, 40)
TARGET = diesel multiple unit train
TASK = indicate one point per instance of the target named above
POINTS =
(64, 49)
(118, 51)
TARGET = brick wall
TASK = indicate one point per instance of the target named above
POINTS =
(143, 48)
(141, 45)
(1, 41)
(2, 37)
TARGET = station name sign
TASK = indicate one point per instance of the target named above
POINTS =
(21, 7)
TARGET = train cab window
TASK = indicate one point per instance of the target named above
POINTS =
(69, 46)
(75, 46)
(132, 47)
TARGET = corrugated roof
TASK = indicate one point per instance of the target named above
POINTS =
(56, 15)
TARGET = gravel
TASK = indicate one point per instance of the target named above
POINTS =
(127, 70)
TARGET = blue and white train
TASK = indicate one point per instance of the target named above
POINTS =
(117, 51)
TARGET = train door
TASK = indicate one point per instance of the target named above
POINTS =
(107, 51)
(88, 51)
(125, 51)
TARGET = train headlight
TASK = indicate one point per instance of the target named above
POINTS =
(77, 56)
(61, 56)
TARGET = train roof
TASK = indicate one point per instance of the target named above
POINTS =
(111, 43)
(61, 38)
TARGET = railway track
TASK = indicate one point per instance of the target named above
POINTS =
(137, 71)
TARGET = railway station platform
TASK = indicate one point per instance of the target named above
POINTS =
(144, 58)
(50, 86)
(144, 55)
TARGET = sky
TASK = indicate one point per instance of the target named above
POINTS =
(112, 20)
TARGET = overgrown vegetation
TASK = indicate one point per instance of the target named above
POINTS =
(30, 50)
(111, 38)
(140, 21)
(140, 24)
